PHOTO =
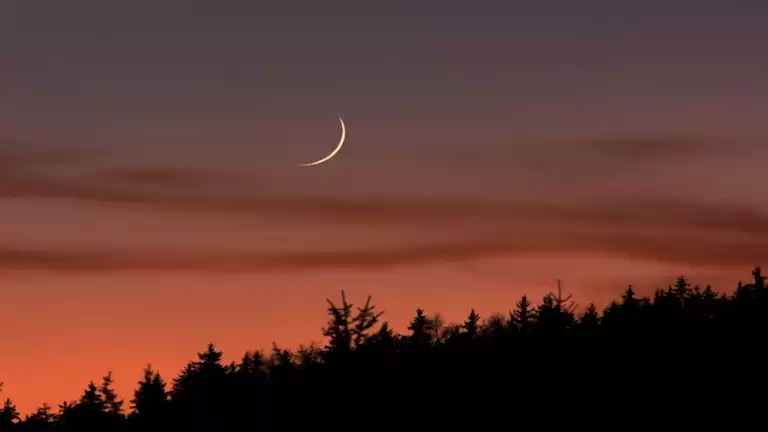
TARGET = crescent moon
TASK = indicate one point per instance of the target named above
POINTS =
(336, 150)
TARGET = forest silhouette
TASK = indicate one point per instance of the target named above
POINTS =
(685, 353)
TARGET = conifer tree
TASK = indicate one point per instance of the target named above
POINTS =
(346, 331)
(9, 416)
(471, 324)
(422, 329)
(682, 288)
(112, 404)
(42, 420)
(495, 326)
(523, 316)
(150, 398)
(590, 319)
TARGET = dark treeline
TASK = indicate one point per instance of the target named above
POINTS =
(686, 353)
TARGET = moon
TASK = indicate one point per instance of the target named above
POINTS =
(336, 150)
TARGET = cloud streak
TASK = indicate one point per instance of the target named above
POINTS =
(651, 148)
(15, 159)
(690, 250)
(161, 177)
(627, 212)
(687, 232)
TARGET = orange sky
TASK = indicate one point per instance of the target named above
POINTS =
(167, 283)
(64, 330)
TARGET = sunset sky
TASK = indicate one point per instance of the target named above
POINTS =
(151, 201)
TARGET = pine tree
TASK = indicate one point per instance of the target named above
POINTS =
(384, 337)
(112, 404)
(495, 327)
(9, 416)
(590, 318)
(338, 329)
(682, 288)
(346, 331)
(150, 401)
(283, 374)
(308, 355)
(65, 407)
(150, 396)
(522, 317)
(422, 329)
(470, 325)
(251, 368)
(41, 420)
(549, 319)
(210, 358)
(630, 304)
(202, 392)
(364, 321)
(88, 414)
(628, 298)
(563, 303)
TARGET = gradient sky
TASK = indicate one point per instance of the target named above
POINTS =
(151, 202)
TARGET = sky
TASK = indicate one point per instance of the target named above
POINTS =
(150, 200)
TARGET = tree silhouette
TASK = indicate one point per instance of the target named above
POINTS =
(642, 359)
(422, 329)
(9, 416)
(113, 406)
(87, 414)
(150, 403)
(523, 316)
(346, 331)
(201, 393)
(42, 420)
(471, 324)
